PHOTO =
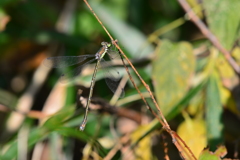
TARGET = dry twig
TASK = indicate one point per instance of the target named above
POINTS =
(195, 19)
(163, 121)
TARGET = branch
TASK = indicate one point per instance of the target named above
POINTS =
(205, 31)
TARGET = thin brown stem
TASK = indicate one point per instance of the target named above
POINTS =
(139, 92)
(185, 145)
(30, 114)
(195, 19)
(100, 22)
(163, 121)
(147, 87)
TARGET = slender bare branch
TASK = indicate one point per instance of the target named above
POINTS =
(163, 121)
(195, 19)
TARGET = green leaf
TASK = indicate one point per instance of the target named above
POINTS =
(131, 38)
(7, 2)
(181, 105)
(38, 134)
(35, 135)
(172, 69)
(143, 147)
(208, 155)
(59, 118)
(214, 112)
(175, 111)
(71, 132)
(8, 99)
(223, 19)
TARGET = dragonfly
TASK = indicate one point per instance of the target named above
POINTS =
(112, 77)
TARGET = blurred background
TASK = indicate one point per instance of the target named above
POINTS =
(196, 88)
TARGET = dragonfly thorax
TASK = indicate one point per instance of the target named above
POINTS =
(97, 56)
(100, 54)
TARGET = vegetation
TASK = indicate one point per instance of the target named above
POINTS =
(186, 52)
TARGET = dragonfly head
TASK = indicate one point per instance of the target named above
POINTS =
(103, 50)
(106, 44)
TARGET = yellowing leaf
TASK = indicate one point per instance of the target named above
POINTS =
(228, 81)
(193, 132)
(224, 68)
(172, 70)
(208, 155)
(143, 148)
(195, 104)
(196, 7)
(225, 94)
(221, 151)
(236, 54)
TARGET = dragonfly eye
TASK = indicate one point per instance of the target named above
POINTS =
(103, 43)
(108, 44)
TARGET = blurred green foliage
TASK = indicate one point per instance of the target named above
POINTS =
(194, 85)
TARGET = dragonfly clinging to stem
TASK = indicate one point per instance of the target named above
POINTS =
(112, 77)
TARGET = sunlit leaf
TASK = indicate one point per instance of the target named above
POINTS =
(225, 85)
(220, 152)
(172, 69)
(143, 148)
(236, 54)
(147, 129)
(196, 104)
(229, 80)
(225, 70)
(223, 19)
(196, 7)
(207, 155)
(193, 132)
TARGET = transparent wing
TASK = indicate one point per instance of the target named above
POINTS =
(113, 54)
(73, 73)
(65, 61)
(112, 77)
